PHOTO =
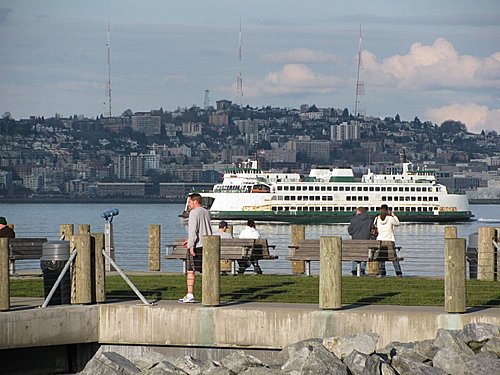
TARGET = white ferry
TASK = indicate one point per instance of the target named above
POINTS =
(331, 196)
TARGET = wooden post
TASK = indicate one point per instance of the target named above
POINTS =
(298, 233)
(82, 271)
(225, 264)
(330, 273)
(210, 295)
(4, 275)
(100, 274)
(83, 228)
(450, 232)
(66, 231)
(454, 275)
(486, 254)
(154, 247)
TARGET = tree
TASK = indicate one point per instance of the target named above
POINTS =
(397, 119)
(453, 127)
(345, 113)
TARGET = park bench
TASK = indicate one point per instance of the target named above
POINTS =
(352, 251)
(23, 249)
(231, 249)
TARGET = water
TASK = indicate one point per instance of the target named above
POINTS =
(422, 244)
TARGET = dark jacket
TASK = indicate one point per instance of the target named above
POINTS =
(360, 227)
(6, 232)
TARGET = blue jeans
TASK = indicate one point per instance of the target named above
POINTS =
(354, 269)
(391, 252)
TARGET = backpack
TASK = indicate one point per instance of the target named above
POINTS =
(374, 230)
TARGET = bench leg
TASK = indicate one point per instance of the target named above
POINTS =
(233, 267)
(12, 267)
(308, 268)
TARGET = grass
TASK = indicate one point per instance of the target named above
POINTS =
(291, 289)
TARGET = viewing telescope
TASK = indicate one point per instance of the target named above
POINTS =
(109, 214)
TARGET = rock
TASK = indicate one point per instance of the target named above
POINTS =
(485, 363)
(403, 364)
(314, 360)
(426, 348)
(238, 362)
(147, 360)
(189, 365)
(261, 371)
(362, 364)
(450, 360)
(164, 368)
(109, 363)
(289, 351)
(214, 368)
(391, 349)
(493, 345)
(412, 355)
(426, 370)
(341, 346)
(453, 340)
(386, 369)
(479, 332)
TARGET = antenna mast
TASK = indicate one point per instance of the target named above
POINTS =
(239, 79)
(108, 82)
(360, 85)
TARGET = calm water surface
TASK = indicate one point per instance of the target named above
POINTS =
(422, 244)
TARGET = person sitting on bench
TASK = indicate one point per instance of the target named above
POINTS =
(249, 232)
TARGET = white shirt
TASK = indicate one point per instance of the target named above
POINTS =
(386, 227)
(249, 232)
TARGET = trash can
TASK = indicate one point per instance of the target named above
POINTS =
(471, 254)
(55, 254)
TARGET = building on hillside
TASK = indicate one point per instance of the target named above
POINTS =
(345, 131)
(143, 122)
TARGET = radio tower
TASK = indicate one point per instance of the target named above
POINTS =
(239, 79)
(108, 82)
(360, 85)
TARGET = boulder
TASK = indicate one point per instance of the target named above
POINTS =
(261, 371)
(342, 346)
(164, 368)
(403, 364)
(479, 332)
(189, 365)
(391, 349)
(214, 368)
(386, 369)
(238, 362)
(426, 348)
(426, 370)
(362, 364)
(492, 345)
(484, 363)
(147, 360)
(289, 351)
(109, 363)
(314, 360)
(450, 360)
(452, 339)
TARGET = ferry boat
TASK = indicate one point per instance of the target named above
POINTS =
(331, 195)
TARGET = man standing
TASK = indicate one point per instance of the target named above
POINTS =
(385, 224)
(5, 231)
(251, 233)
(198, 226)
(359, 229)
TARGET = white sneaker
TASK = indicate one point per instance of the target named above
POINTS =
(186, 299)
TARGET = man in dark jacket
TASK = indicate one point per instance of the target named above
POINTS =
(359, 229)
(5, 231)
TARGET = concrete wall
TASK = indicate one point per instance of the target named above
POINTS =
(272, 326)
(51, 326)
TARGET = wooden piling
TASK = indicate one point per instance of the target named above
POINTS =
(100, 274)
(450, 232)
(4, 275)
(298, 234)
(82, 271)
(83, 228)
(486, 254)
(66, 231)
(330, 273)
(454, 275)
(211, 271)
(154, 247)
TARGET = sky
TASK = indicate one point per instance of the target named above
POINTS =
(436, 60)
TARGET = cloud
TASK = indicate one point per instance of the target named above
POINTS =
(436, 66)
(476, 117)
(175, 78)
(299, 55)
(4, 14)
(292, 79)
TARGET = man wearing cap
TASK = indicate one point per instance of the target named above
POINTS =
(223, 230)
(5, 231)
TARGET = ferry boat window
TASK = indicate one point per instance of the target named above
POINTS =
(285, 188)
(328, 188)
(299, 197)
(316, 188)
(377, 188)
(389, 198)
(299, 188)
(389, 188)
(412, 189)
(382, 188)
(413, 209)
(342, 209)
(341, 188)
(347, 188)
(293, 208)
(419, 199)
(317, 208)
(335, 208)
(286, 209)
(360, 188)
(365, 188)
(407, 198)
(323, 198)
(274, 208)
(419, 189)
(292, 197)
(425, 209)
(436, 208)
(400, 189)
(396, 198)
(419, 209)
(299, 208)
(317, 198)
(323, 188)
(280, 188)
(413, 198)
(424, 198)
(348, 198)
(287, 198)
(311, 188)
(371, 188)
(305, 197)
(335, 188)
(329, 209)
(366, 198)
(435, 199)
(407, 189)
(330, 198)
(292, 188)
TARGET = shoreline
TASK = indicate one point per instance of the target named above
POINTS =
(142, 200)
